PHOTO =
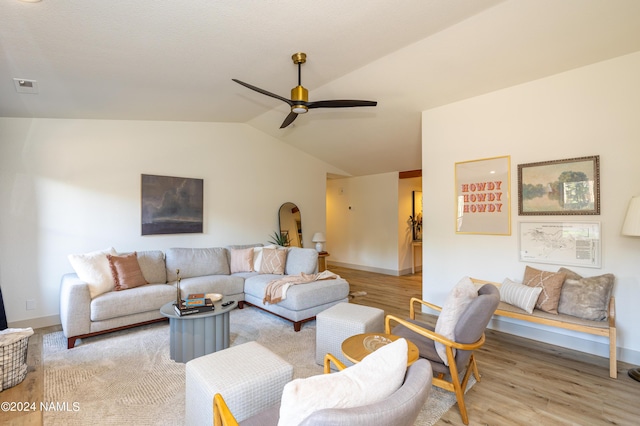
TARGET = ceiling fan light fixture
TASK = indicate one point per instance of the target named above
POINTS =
(299, 101)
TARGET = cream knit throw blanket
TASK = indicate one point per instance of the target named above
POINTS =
(276, 290)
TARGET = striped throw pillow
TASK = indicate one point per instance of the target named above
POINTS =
(520, 295)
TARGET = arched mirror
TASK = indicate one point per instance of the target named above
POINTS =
(291, 224)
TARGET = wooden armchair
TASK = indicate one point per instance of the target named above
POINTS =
(399, 409)
(469, 332)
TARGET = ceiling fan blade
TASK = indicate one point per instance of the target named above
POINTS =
(341, 103)
(290, 118)
(264, 92)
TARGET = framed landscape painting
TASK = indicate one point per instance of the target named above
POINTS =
(171, 205)
(560, 187)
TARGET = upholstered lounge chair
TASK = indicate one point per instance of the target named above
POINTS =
(469, 335)
(401, 408)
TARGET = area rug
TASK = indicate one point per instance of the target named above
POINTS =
(127, 377)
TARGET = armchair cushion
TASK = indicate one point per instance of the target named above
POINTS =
(373, 379)
(456, 303)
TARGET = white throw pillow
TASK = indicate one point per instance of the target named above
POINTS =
(93, 268)
(520, 295)
(457, 301)
(370, 381)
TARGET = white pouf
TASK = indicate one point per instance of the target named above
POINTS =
(341, 321)
(249, 377)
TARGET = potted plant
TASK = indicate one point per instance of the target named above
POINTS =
(280, 239)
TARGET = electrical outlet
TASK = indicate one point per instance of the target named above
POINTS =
(31, 304)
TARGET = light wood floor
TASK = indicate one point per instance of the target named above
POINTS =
(524, 382)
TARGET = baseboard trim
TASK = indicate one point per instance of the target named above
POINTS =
(366, 268)
(36, 322)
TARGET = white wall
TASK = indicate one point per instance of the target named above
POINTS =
(362, 222)
(71, 186)
(592, 110)
(367, 223)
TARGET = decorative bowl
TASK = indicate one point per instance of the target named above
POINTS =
(214, 297)
(371, 343)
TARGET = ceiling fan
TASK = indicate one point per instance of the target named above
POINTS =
(299, 101)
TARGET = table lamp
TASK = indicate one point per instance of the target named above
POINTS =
(319, 239)
(631, 228)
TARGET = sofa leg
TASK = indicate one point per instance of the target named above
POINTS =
(71, 342)
(241, 304)
(297, 325)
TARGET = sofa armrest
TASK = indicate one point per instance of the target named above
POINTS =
(75, 306)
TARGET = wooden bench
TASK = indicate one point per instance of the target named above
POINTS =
(606, 328)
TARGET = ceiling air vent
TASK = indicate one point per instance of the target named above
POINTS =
(25, 86)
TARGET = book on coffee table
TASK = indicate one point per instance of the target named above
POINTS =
(183, 309)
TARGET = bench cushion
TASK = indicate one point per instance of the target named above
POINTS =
(586, 298)
(554, 317)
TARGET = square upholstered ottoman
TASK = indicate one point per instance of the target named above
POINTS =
(336, 324)
(249, 377)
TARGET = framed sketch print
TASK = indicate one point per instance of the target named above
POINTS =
(561, 243)
(560, 187)
(171, 205)
(482, 203)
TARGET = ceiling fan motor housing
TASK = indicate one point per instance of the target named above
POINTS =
(299, 94)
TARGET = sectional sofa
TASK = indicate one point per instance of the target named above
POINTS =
(94, 301)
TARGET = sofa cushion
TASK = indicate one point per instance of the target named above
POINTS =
(257, 255)
(301, 296)
(273, 261)
(224, 284)
(93, 268)
(301, 260)
(126, 271)
(241, 260)
(116, 304)
(372, 380)
(196, 262)
(551, 284)
(586, 298)
(152, 266)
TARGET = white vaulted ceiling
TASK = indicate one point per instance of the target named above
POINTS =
(174, 60)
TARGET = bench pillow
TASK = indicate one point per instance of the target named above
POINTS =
(551, 284)
(586, 298)
(519, 295)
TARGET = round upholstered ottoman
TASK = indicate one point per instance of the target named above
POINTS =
(249, 377)
(343, 320)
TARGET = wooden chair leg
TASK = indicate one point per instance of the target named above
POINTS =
(459, 391)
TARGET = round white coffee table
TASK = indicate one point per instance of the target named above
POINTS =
(195, 335)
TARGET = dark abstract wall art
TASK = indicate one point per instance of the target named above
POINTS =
(171, 205)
